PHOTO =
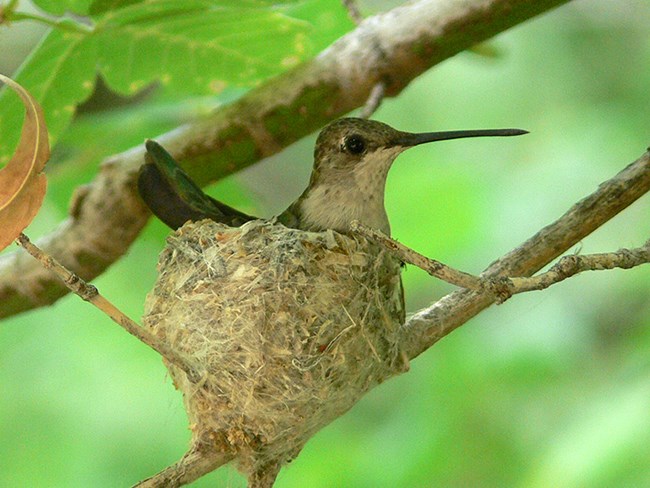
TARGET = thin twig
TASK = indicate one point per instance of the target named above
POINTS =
(353, 11)
(428, 326)
(504, 287)
(196, 462)
(408, 255)
(569, 266)
(264, 476)
(374, 100)
(89, 293)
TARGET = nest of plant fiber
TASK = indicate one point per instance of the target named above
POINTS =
(292, 328)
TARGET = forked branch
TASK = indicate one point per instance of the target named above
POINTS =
(569, 266)
(504, 287)
(431, 324)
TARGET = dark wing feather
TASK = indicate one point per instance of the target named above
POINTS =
(174, 198)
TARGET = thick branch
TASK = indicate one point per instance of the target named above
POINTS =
(394, 48)
(429, 325)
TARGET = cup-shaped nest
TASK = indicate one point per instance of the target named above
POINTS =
(291, 328)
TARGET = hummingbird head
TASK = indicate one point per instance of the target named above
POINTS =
(351, 161)
(347, 143)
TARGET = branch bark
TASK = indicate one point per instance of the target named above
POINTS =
(196, 462)
(504, 287)
(431, 324)
(569, 266)
(393, 48)
(433, 267)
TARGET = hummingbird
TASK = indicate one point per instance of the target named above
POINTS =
(352, 157)
(352, 313)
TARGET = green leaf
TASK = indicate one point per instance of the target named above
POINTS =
(100, 6)
(194, 47)
(60, 74)
(329, 18)
(59, 7)
(198, 46)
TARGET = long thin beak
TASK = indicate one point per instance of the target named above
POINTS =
(407, 139)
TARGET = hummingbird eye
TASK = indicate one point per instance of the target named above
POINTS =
(354, 144)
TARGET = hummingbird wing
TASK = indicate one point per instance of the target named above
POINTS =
(174, 198)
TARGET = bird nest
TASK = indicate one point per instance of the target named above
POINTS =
(291, 328)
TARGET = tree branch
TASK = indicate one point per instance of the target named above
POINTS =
(196, 462)
(431, 324)
(569, 266)
(394, 48)
(503, 287)
(90, 294)
(433, 267)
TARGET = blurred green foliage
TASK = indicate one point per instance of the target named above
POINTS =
(550, 389)
(193, 47)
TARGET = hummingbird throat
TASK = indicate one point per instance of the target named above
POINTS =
(340, 196)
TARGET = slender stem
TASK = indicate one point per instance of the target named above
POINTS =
(567, 267)
(264, 476)
(504, 287)
(63, 23)
(431, 266)
(90, 294)
(374, 100)
(196, 462)
(353, 11)
(427, 326)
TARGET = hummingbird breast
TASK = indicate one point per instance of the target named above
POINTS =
(341, 195)
(334, 208)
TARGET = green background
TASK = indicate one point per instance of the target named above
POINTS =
(550, 389)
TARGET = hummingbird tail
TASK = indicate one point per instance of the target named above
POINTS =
(174, 198)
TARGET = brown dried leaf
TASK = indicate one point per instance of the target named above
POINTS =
(22, 183)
